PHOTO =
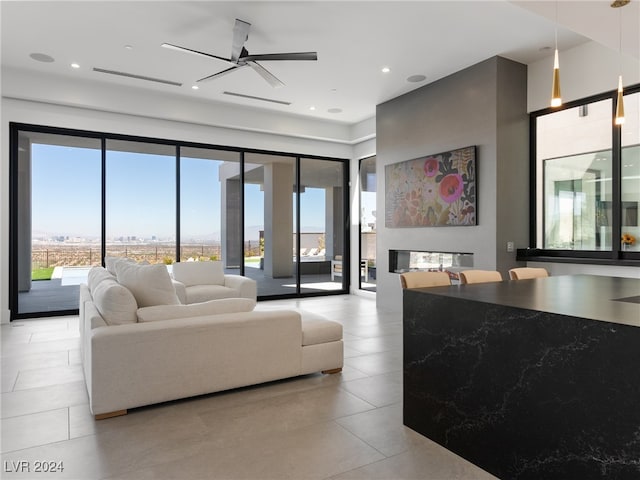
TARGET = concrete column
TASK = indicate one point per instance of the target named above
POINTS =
(334, 228)
(278, 222)
(231, 191)
(24, 214)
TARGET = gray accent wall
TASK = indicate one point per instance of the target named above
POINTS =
(483, 105)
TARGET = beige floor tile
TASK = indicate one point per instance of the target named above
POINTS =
(54, 335)
(36, 360)
(378, 390)
(382, 428)
(11, 350)
(427, 461)
(377, 344)
(377, 363)
(42, 377)
(36, 429)
(314, 452)
(273, 416)
(35, 400)
(9, 377)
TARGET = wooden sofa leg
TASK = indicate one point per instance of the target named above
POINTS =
(333, 370)
(117, 413)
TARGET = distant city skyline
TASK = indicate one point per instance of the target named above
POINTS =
(140, 197)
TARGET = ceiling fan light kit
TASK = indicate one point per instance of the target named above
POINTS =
(241, 58)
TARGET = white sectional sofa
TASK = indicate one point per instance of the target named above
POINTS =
(140, 346)
(202, 281)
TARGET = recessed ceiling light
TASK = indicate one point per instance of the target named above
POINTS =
(386, 69)
(312, 107)
(335, 110)
(195, 87)
(42, 57)
(128, 47)
(416, 78)
(75, 65)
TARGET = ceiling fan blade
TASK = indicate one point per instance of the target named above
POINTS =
(220, 74)
(266, 74)
(195, 52)
(240, 35)
(281, 56)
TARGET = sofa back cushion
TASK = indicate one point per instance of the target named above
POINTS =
(149, 284)
(199, 273)
(111, 262)
(97, 275)
(115, 303)
(212, 307)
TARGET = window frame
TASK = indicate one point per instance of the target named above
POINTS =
(16, 127)
(616, 256)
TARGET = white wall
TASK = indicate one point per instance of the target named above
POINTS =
(104, 108)
(585, 70)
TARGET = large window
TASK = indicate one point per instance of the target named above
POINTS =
(78, 197)
(140, 201)
(587, 171)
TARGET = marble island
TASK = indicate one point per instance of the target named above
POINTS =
(529, 379)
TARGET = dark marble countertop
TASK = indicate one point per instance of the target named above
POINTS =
(607, 299)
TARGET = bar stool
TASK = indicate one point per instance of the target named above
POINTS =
(527, 272)
(424, 279)
(480, 276)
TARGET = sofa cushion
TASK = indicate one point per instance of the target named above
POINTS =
(317, 329)
(199, 273)
(213, 307)
(111, 262)
(204, 293)
(115, 303)
(149, 284)
(97, 275)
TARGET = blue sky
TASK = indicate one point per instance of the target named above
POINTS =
(140, 195)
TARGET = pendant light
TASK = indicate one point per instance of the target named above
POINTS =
(556, 99)
(619, 119)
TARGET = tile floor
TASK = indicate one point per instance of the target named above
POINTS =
(344, 426)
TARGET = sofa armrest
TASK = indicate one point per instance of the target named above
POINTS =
(181, 290)
(245, 286)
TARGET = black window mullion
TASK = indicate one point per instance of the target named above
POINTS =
(242, 211)
(298, 230)
(178, 247)
(103, 200)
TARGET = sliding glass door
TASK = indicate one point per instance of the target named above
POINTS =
(78, 198)
(57, 213)
(323, 259)
(269, 199)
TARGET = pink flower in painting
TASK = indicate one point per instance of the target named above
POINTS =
(451, 187)
(431, 167)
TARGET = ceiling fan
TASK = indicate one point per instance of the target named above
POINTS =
(241, 58)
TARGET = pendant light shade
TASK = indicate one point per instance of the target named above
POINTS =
(619, 120)
(556, 97)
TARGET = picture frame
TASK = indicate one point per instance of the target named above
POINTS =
(438, 190)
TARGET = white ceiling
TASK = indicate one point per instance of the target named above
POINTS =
(354, 40)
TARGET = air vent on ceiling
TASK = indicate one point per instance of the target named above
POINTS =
(262, 99)
(139, 77)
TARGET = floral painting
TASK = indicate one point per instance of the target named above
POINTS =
(433, 191)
